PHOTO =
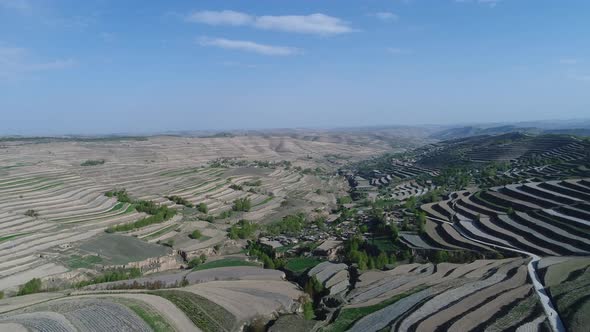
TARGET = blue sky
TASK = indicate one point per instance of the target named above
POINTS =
(105, 66)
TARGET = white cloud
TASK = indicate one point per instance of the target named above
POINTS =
(248, 46)
(224, 17)
(385, 16)
(318, 24)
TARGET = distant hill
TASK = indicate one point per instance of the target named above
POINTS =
(504, 147)
(469, 131)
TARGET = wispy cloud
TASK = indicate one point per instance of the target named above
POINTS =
(15, 61)
(20, 5)
(489, 3)
(385, 16)
(579, 77)
(248, 46)
(318, 24)
(398, 51)
(224, 17)
(568, 61)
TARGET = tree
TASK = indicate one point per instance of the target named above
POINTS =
(242, 204)
(394, 233)
(308, 313)
(203, 208)
(441, 256)
(382, 260)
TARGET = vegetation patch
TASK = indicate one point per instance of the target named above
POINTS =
(10, 237)
(158, 214)
(31, 287)
(347, 317)
(151, 317)
(112, 275)
(242, 204)
(300, 264)
(206, 315)
(93, 162)
(77, 262)
(180, 200)
(244, 229)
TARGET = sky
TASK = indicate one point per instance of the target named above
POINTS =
(112, 66)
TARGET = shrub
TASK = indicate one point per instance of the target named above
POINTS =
(196, 261)
(32, 286)
(180, 200)
(196, 234)
(32, 213)
(236, 187)
(121, 195)
(93, 162)
(242, 204)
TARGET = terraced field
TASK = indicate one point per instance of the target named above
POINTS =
(51, 205)
(484, 295)
(544, 218)
(208, 304)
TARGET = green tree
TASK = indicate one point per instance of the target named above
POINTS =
(308, 313)
(196, 234)
(203, 208)
(382, 260)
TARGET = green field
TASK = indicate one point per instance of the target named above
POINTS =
(151, 317)
(205, 314)
(301, 264)
(9, 237)
(77, 262)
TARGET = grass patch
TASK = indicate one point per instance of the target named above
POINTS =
(77, 261)
(10, 237)
(225, 262)
(206, 315)
(151, 317)
(301, 264)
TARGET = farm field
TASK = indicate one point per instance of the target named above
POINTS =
(179, 233)
(204, 304)
(54, 211)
